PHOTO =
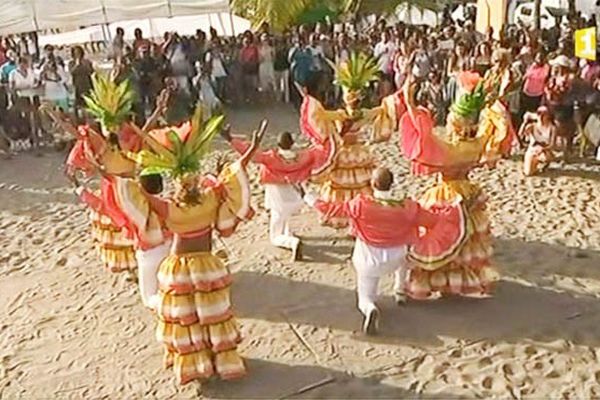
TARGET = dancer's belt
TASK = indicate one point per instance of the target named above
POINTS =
(193, 242)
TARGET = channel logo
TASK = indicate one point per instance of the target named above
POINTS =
(585, 43)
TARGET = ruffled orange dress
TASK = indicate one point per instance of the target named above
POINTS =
(467, 268)
(196, 323)
(114, 243)
(348, 172)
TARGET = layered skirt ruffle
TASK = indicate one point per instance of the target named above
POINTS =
(349, 176)
(116, 250)
(196, 322)
(467, 270)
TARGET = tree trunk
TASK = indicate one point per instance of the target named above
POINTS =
(537, 14)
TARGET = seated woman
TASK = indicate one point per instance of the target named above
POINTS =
(540, 131)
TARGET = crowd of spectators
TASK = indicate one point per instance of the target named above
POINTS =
(260, 67)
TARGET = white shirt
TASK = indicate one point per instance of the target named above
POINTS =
(23, 84)
(384, 53)
(218, 70)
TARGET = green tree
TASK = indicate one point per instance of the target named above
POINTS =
(281, 14)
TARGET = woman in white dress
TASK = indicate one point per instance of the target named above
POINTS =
(55, 80)
(266, 69)
(541, 132)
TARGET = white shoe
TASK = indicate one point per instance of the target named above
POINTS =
(371, 322)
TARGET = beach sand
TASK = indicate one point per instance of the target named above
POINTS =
(72, 330)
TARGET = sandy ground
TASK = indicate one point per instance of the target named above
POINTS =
(69, 329)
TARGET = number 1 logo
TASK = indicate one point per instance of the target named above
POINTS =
(585, 43)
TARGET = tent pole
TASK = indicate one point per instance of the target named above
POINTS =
(34, 14)
(232, 25)
(221, 23)
(170, 8)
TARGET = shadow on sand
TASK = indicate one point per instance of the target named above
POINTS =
(516, 312)
(269, 380)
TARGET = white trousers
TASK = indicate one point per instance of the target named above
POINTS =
(367, 288)
(279, 231)
(371, 264)
(148, 262)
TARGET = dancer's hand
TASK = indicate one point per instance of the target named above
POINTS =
(257, 137)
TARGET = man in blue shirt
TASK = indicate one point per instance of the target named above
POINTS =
(9, 66)
(302, 63)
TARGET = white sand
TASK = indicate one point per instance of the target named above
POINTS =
(72, 330)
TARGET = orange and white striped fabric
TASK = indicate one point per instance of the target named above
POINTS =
(116, 250)
(467, 271)
(196, 322)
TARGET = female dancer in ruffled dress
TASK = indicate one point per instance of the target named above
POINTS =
(472, 138)
(345, 132)
(195, 316)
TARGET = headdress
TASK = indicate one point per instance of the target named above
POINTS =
(356, 74)
(109, 102)
(177, 151)
(469, 105)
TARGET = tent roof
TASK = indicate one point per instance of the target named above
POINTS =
(18, 16)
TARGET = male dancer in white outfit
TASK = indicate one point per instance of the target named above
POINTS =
(384, 228)
(281, 169)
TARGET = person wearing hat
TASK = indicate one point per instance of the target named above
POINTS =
(540, 132)
(556, 91)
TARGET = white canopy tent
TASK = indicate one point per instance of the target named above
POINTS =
(225, 24)
(18, 16)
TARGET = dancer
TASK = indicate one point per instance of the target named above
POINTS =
(282, 168)
(93, 152)
(384, 227)
(349, 128)
(111, 104)
(460, 264)
(195, 317)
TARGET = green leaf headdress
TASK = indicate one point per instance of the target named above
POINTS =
(177, 151)
(109, 102)
(469, 105)
(357, 73)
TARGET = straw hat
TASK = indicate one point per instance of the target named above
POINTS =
(561, 61)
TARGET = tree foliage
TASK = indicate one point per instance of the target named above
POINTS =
(281, 14)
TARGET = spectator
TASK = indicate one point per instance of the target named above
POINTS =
(282, 67)
(301, 61)
(215, 58)
(23, 84)
(384, 52)
(9, 66)
(139, 41)
(249, 62)
(145, 68)
(81, 71)
(55, 81)
(118, 44)
(203, 85)
(534, 82)
(266, 69)
(49, 56)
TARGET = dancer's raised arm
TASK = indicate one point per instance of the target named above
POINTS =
(257, 137)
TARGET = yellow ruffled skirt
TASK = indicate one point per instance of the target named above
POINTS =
(348, 177)
(468, 271)
(196, 322)
(116, 251)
